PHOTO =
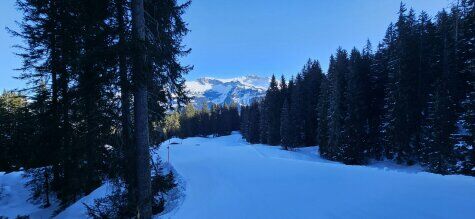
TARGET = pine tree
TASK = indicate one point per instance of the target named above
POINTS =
(322, 116)
(437, 148)
(286, 130)
(264, 109)
(356, 120)
(76, 111)
(15, 130)
(244, 122)
(254, 126)
(405, 77)
(338, 73)
(410, 101)
(379, 86)
(312, 77)
(402, 119)
(283, 87)
(234, 116)
(141, 132)
(464, 136)
(297, 111)
(41, 147)
(274, 106)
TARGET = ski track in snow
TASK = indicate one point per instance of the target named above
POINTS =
(229, 178)
(225, 177)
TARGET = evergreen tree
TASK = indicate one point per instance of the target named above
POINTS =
(409, 101)
(378, 80)
(286, 129)
(254, 126)
(437, 150)
(338, 73)
(356, 120)
(322, 116)
(41, 148)
(264, 109)
(464, 136)
(283, 88)
(244, 122)
(312, 79)
(437, 145)
(403, 124)
(82, 72)
(466, 124)
(274, 103)
(141, 122)
(15, 130)
(297, 111)
(234, 116)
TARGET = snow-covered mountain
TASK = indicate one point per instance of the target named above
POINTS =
(241, 90)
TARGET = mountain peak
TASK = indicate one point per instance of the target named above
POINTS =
(242, 90)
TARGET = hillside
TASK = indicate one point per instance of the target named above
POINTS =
(225, 177)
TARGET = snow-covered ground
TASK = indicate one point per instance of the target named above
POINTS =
(14, 198)
(226, 177)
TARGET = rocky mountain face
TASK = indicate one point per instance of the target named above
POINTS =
(240, 90)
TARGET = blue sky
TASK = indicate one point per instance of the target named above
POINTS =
(240, 37)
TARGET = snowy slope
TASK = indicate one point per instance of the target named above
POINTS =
(228, 178)
(78, 209)
(241, 90)
(14, 198)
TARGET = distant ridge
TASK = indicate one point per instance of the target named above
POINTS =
(241, 90)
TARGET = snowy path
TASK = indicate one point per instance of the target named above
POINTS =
(228, 178)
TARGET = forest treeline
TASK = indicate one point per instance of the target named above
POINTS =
(412, 100)
(217, 120)
(101, 75)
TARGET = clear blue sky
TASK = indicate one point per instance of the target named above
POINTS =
(240, 37)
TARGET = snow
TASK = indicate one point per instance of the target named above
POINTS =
(250, 81)
(78, 209)
(228, 178)
(242, 90)
(198, 87)
(14, 198)
(225, 177)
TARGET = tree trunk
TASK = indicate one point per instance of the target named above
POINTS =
(128, 147)
(141, 134)
(46, 184)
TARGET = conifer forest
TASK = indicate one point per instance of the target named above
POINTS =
(107, 105)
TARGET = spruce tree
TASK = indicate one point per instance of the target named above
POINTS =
(244, 122)
(264, 117)
(297, 111)
(274, 103)
(322, 116)
(141, 131)
(41, 147)
(356, 120)
(286, 129)
(379, 86)
(254, 126)
(464, 135)
(312, 77)
(338, 73)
